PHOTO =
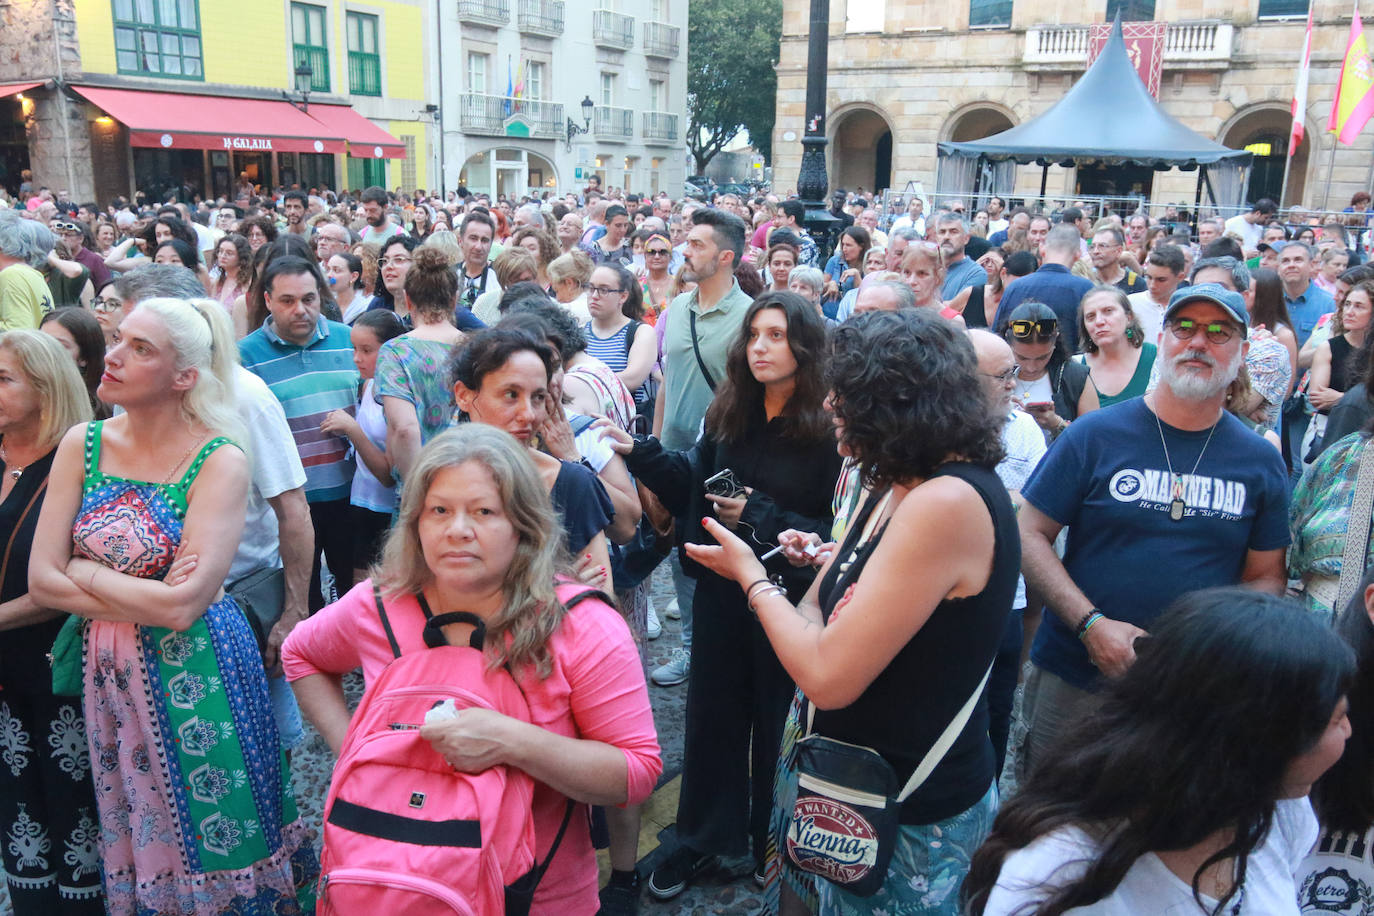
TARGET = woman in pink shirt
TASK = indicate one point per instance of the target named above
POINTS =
(477, 533)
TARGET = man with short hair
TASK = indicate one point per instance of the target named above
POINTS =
(961, 271)
(1247, 226)
(596, 222)
(307, 362)
(869, 220)
(996, 223)
(293, 207)
(277, 533)
(1161, 495)
(379, 226)
(1019, 219)
(1208, 231)
(913, 218)
(1052, 284)
(1307, 302)
(529, 215)
(1136, 227)
(882, 296)
(1036, 231)
(475, 235)
(792, 216)
(331, 238)
(1105, 252)
(613, 247)
(1164, 271)
(24, 296)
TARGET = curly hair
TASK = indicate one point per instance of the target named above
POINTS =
(906, 386)
(548, 244)
(243, 276)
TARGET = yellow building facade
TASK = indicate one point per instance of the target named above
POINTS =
(905, 75)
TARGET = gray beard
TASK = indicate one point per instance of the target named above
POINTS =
(1191, 387)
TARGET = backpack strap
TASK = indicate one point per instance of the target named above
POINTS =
(630, 332)
(696, 348)
(386, 622)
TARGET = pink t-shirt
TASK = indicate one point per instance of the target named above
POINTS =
(596, 692)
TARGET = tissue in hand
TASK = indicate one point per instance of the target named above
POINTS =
(441, 711)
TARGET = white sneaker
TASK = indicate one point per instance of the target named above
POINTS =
(671, 611)
(652, 627)
(674, 671)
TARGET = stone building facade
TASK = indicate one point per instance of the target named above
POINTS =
(905, 75)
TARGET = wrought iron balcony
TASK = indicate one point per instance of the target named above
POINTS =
(541, 17)
(661, 39)
(660, 128)
(613, 30)
(615, 125)
(484, 12)
(503, 116)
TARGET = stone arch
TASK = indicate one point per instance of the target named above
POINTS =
(500, 168)
(977, 120)
(1269, 123)
(860, 149)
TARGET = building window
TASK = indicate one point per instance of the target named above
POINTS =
(409, 166)
(1131, 10)
(477, 73)
(364, 63)
(865, 17)
(658, 11)
(608, 89)
(989, 13)
(534, 80)
(1275, 9)
(310, 46)
(158, 38)
(656, 95)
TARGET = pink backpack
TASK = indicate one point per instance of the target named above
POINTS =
(404, 831)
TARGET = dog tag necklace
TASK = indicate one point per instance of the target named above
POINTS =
(1177, 505)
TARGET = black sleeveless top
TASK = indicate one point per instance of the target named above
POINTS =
(975, 311)
(902, 713)
(1340, 365)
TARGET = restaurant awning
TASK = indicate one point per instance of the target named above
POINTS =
(9, 89)
(365, 139)
(169, 120)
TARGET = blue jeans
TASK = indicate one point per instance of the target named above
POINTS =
(285, 712)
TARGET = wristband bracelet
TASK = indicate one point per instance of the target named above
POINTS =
(749, 589)
(1087, 622)
(770, 590)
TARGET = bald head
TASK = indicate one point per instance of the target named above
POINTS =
(995, 367)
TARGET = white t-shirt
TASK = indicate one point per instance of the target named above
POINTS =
(1150, 313)
(367, 491)
(276, 469)
(1024, 445)
(1337, 879)
(1149, 887)
(1249, 232)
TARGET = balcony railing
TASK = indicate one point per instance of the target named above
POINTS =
(661, 39)
(1187, 45)
(613, 30)
(364, 73)
(498, 116)
(541, 17)
(660, 127)
(318, 59)
(613, 124)
(484, 12)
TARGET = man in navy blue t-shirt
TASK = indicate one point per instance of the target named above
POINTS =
(1161, 495)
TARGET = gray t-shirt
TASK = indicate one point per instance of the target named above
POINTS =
(686, 394)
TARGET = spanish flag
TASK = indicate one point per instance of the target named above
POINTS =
(1354, 102)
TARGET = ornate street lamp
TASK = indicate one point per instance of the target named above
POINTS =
(574, 129)
(304, 74)
(812, 182)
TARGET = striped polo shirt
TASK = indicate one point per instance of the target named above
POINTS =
(310, 381)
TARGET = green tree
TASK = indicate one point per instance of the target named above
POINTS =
(732, 80)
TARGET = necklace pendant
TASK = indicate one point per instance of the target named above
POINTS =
(1176, 510)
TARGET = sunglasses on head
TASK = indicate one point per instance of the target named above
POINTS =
(1031, 328)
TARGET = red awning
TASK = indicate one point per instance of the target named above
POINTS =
(169, 120)
(9, 89)
(365, 139)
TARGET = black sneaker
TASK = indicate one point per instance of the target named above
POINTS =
(761, 874)
(677, 871)
(619, 901)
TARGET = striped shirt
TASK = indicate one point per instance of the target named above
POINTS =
(310, 381)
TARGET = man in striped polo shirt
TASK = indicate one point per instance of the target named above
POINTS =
(307, 362)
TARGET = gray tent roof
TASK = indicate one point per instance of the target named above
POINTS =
(1108, 116)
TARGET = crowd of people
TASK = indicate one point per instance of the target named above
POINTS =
(249, 447)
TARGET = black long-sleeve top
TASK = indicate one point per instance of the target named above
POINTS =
(793, 482)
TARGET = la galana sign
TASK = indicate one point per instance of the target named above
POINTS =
(247, 143)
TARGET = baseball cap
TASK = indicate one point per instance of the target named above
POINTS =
(1214, 293)
(1275, 247)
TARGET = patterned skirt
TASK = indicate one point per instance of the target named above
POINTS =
(194, 794)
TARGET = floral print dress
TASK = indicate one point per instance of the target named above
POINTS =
(193, 790)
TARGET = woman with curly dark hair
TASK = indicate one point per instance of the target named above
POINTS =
(892, 643)
(766, 462)
(1185, 791)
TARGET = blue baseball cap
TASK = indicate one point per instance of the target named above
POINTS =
(1214, 293)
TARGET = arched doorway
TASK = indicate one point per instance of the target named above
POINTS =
(983, 178)
(977, 123)
(861, 151)
(508, 172)
(1264, 131)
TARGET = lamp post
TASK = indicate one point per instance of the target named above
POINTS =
(304, 74)
(812, 182)
(574, 129)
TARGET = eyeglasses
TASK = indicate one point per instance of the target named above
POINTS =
(603, 290)
(1004, 377)
(398, 261)
(1218, 332)
(1026, 328)
(101, 304)
(657, 252)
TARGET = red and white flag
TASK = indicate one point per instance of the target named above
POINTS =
(1300, 91)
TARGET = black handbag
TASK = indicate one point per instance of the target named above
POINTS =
(848, 810)
(262, 598)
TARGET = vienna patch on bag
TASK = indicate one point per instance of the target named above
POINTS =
(845, 820)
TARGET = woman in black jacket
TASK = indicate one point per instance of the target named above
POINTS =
(769, 429)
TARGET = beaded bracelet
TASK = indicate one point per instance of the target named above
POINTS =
(1086, 623)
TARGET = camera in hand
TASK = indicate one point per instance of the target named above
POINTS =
(724, 484)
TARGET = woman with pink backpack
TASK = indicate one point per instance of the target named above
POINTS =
(552, 715)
